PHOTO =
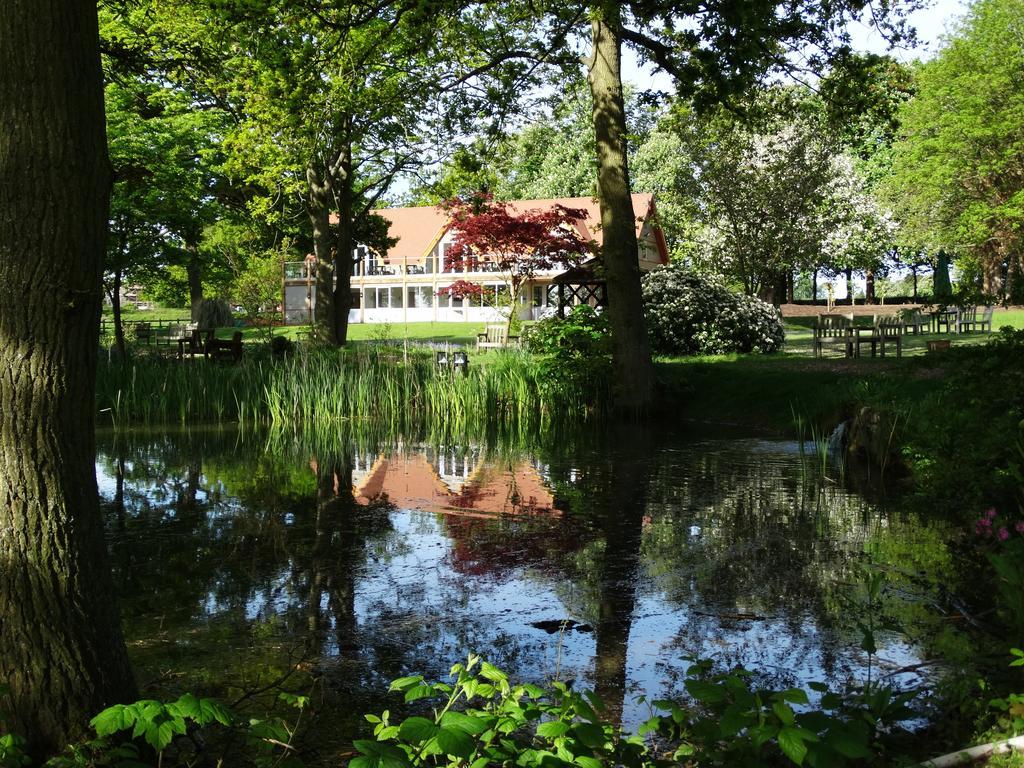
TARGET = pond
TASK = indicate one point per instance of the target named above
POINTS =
(607, 559)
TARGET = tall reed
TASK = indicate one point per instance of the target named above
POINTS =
(318, 389)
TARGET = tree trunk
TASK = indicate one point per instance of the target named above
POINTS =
(814, 286)
(318, 208)
(115, 305)
(869, 287)
(849, 286)
(193, 272)
(633, 370)
(913, 272)
(343, 250)
(62, 655)
(941, 286)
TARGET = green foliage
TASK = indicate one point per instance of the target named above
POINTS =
(692, 315)
(574, 352)
(956, 171)
(184, 732)
(481, 718)
(213, 314)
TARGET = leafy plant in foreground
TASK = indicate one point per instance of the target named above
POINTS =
(482, 719)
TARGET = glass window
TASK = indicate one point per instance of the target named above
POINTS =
(371, 298)
(396, 297)
(356, 296)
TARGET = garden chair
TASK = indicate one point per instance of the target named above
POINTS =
(834, 331)
(495, 337)
(886, 331)
(969, 320)
(223, 349)
(915, 320)
(966, 318)
(985, 323)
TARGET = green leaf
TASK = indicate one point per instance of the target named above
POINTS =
(403, 683)
(492, 673)
(112, 720)
(794, 696)
(471, 725)
(705, 692)
(590, 735)
(587, 762)
(784, 713)
(454, 741)
(791, 742)
(416, 692)
(849, 742)
(552, 729)
(417, 729)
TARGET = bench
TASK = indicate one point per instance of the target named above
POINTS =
(916, 321)
(835, 332)
(495, 337)
(223, 349)
(968, 320)
(887, 330)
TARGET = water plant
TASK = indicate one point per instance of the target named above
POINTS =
(315, 388)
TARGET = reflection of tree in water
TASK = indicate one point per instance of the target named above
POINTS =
(756, 553)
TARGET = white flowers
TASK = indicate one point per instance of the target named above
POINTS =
(691, 315)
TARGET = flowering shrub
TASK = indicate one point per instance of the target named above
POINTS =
(1003, 538)
(575, 352)
(692, 315)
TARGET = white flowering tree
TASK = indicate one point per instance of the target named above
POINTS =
(776, 197)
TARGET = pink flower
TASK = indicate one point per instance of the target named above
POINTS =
(1019, 527)
(983, 527)
(990, 512)
(983, 523)
(1003, 534)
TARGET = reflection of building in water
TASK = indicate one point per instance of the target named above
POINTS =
(453, 483)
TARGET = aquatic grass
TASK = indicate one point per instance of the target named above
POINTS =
(401, 388)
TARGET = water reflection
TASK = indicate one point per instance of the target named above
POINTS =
(352, 566)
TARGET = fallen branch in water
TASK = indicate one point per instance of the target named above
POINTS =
(972, 754)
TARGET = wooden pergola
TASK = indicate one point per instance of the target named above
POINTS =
(581, 285)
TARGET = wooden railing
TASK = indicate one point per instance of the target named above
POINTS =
(159, 330)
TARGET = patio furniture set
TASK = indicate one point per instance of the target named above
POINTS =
(840, 331)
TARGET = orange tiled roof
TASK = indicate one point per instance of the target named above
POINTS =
(418, 229)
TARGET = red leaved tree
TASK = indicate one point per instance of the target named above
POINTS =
(516, 245)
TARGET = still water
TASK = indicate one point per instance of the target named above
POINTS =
(609, 560)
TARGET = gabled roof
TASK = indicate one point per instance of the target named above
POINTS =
(418, 229)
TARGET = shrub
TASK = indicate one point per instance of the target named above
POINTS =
(692, 315)
(213, 313)
(575, 352)
(281, 347)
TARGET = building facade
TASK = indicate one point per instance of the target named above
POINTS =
(405, 285)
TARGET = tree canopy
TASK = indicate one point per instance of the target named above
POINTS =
(957, 178)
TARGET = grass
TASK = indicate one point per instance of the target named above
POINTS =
(404, 390)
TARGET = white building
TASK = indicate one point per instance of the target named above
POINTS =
(403, 285)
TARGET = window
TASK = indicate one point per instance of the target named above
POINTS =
(420, 296)
(371, 298)
(356, 296)
(396, 297)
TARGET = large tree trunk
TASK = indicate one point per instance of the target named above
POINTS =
(869, 287)
(633, 369)
(343, 250)
(193, 271)
(318, 208)
(61, 651)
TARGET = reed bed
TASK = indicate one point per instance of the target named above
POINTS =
(400, 389)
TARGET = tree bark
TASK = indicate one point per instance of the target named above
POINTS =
(849, 286)
(318, 208)
(115, 305)
(869, 287)
(61, 650)
(633, 369)
(343, 248)
(193, 271)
